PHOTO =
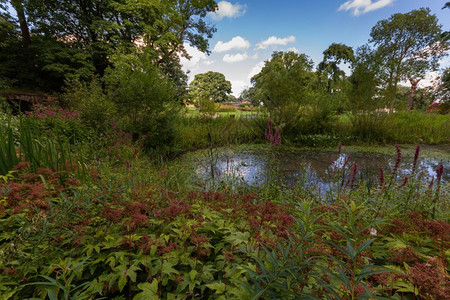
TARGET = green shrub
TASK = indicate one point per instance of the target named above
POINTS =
(144, 98)
(94, 107)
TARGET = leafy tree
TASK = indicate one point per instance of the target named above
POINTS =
(442, 92)
(285, 83)
(364, 94)
(91, 32)
(409, 45)
(211, 85)
(333, 56)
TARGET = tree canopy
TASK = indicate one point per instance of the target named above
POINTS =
(408, 45)
(211, 86)
(77, 38)
(333, 56)
(286, 78)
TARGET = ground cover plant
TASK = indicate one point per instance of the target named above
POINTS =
(126, 229)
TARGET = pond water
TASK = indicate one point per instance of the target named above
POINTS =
(319, 168)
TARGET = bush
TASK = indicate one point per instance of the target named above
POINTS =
(95, 109)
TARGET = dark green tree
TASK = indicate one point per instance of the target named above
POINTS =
(81, 33)
(144, 98)
(329, 68)
(364, 90)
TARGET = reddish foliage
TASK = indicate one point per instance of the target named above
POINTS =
(430, 279)
(169, 248)
(406, 254)
(175, 209)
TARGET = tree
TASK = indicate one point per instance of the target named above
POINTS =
(91, 32)
(211, 86)
(333, 56)
(442, 92)
(363, 94)
(284, 84)
(250, 94)
(409, 45)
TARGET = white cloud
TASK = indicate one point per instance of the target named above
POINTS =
(237, 86)
(256, 69)
(293, 49)
(226, 9)
(237, 42)
(228, 58)
(197, 57)
(255, 56)
(273, 40)
(364, 6)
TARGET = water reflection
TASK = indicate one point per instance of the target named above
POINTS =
(320, 168)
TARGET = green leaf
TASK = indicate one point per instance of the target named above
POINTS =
(193, 274)
(167, 268)
(219, 287)
(149, 291)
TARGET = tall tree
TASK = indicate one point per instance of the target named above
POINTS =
(76, 37)
(333, 56)
(105, 26)
(211, 86)
(285, 83)
(19, 7)
(363, 94)
(409, 45)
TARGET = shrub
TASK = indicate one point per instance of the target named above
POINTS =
(94, 107)
(144, 98)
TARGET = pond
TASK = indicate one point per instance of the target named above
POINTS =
(321, 168)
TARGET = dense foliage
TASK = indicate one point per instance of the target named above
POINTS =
(124, 228)
(210, 86)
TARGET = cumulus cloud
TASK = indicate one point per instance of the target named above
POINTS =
(273, 40)
(237, 87)
(228, 58)
(226, 9)
(359, 7)
(237, 42)
(256, 69)
(197, 57)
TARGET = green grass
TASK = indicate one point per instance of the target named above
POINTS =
(192, 111)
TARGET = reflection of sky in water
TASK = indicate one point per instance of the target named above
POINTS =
(312, 168)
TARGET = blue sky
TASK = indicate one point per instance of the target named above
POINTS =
(248, 31)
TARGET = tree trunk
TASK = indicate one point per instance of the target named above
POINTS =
(412, 92)
(18, 6)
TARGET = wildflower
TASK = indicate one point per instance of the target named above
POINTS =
(405, 181)
(274, 139)
(398, 160)
(373, 231)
